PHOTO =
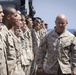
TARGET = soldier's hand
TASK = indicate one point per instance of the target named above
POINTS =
(74, 74)
(41, 70)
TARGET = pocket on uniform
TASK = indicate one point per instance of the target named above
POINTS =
(10, 47)
(66, 47)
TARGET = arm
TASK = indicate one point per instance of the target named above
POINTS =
(73, 53)
(40, 55)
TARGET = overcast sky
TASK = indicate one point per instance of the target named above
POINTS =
(49, 9)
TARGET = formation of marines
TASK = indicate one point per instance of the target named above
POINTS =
(27, 49)
(19, 41)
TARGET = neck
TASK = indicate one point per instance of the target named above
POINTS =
(13, 29)
(59, 30)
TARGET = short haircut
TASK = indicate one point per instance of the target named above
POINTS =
(8, 11)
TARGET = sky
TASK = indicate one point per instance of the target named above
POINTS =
(49, 9)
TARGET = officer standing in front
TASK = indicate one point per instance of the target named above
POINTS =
(61, 50)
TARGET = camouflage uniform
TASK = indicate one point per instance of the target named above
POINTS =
(9, 49)
(17, 45)
(60, 51)
(3, 68)
(42, 32)
(3, 54)
(25, 61)
(24, 54)
(36, 42)
(27, 35)
(75, 32)
(29, 50)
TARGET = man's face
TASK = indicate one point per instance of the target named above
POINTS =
(23, 20)
(61, 24)
(24, 26)
(30, 23)
(18, 22)
(38, 27)
(1, 13)
(39, 22)
(43, 25)
(18, 26)
(13, 18)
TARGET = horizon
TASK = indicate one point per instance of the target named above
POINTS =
(71, 30)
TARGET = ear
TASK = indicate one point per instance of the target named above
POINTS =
(66, 22)
(8, 17)
(55, 22)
